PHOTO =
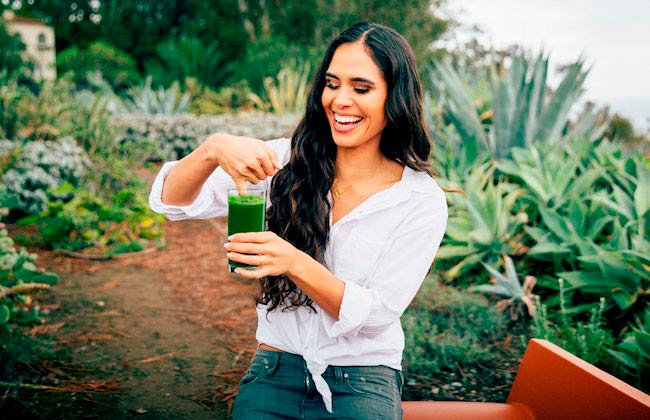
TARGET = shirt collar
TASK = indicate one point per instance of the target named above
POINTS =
(412, 181)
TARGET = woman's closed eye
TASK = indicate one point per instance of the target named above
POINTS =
(331, 85)
(362, 89)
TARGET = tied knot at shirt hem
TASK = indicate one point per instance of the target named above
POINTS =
(316, 368)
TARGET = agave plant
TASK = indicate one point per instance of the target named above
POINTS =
(287, 92)
(481, 226)
(524, 112)
(621, 276)
(507, 285)
(551, 176)
(162, 101)
(562, 238)
(630, 196)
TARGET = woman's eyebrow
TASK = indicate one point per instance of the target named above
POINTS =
(354, 79)
(363, 80)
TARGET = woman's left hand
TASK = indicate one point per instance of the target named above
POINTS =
(271, 254)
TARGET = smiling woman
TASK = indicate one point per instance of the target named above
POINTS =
(354, 223)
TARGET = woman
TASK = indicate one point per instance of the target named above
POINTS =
(354, 222)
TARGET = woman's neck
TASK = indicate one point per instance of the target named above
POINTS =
(352, 164)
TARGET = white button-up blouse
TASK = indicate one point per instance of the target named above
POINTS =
(382, 250)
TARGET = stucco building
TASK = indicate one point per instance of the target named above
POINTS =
(39, 41)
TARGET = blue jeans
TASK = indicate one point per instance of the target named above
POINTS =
(279, 386)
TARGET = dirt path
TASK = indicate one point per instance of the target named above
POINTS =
(163, 336)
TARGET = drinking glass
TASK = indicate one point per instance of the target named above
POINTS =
(246, 213)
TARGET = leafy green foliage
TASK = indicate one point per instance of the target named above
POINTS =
(87, 221)
(447, 330)
(524, 112)
(47, 113)
(19, 279)
(634, 352)
(550, 174)
(588, 339)
(11, 49)
(586, 200)
(287, 92)
(266, 57)
(11, 95)
(589, 216)
(180, 59)
(41, 168)
(232, 98)
(100, 58)
(516, 295)
(481, 225)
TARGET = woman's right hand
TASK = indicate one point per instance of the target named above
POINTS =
(245, 159)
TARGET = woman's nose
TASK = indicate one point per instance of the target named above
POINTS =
(343, 97)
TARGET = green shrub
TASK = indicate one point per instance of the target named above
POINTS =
(41, 168)
(174, 136)
(620, 129)
(265, 58)
(19, 278)
(102, 58)
(516, 296)
(12, 62)
(11, 96)
(125, 224)
(49, 113)
(189, 57)
(634, 352)
(232, 98)
(447, 331)
(588, 338)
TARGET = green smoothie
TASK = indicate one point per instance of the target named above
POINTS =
(246, 213)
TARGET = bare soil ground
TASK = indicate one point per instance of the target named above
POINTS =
(164, 335)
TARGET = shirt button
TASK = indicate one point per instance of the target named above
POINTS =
(345, 375)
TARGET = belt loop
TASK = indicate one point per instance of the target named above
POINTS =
(338, 374)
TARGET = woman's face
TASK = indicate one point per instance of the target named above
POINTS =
(354, 97)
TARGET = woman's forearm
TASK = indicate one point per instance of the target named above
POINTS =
(186, 178)
(243, 158)
(318, 283)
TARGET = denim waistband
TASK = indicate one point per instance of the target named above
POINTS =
(276, 359)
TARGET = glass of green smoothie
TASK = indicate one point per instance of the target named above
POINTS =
(246, 213)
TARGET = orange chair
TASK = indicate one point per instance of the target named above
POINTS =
(551, 384)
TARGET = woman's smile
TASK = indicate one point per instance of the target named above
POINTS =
(346, 123)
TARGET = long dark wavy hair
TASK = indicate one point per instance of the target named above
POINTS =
(299, 210)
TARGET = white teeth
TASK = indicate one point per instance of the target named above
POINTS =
(346, 119)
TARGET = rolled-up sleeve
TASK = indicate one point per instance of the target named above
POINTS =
(212, 200)
(371, 308)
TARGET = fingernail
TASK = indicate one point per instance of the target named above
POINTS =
(229, 254)
(231, 237)
(226, 245)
